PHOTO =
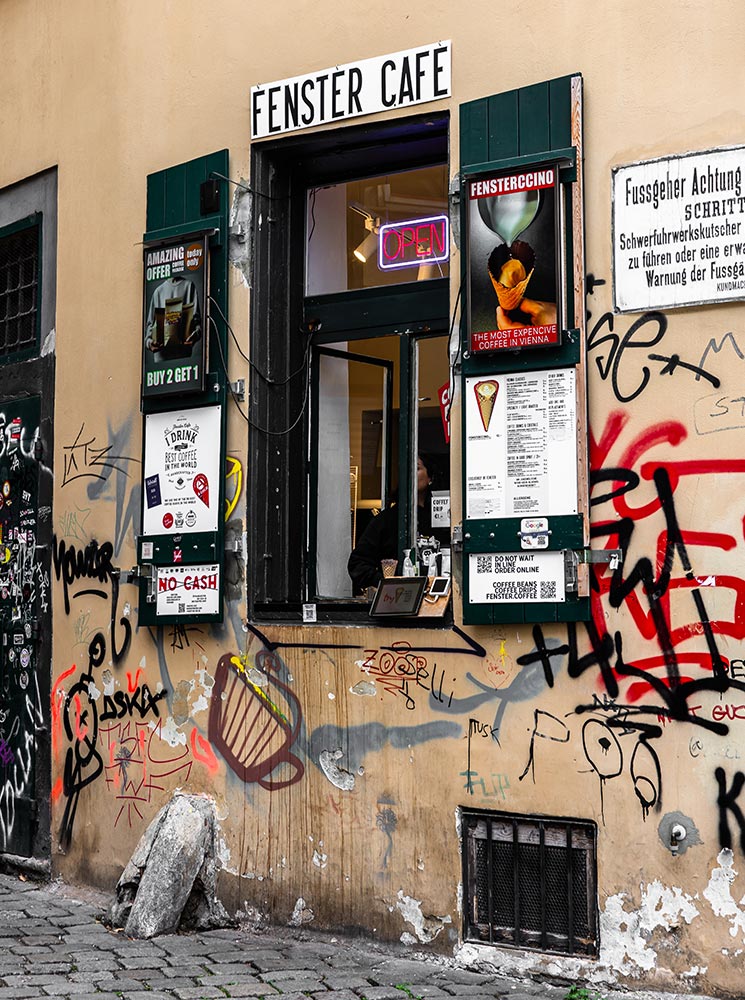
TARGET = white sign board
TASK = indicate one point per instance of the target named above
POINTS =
(398, 80)
(510, 577)
(187, 590)
(440, 509)
(521, 444)
(679, 231)
(181, 480)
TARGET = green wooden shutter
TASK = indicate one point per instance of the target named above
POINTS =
(174, 209)
(507, 131)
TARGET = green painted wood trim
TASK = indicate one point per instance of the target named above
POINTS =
(523, 122)
(502, 534)
(566, 159)
(173, 210)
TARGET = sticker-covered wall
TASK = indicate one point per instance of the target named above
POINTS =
(355, 768)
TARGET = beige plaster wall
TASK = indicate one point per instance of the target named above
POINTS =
(373, 762)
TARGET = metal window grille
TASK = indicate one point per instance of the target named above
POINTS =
(19, 290)
(530, 882)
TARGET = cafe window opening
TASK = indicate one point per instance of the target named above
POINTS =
(348, 394)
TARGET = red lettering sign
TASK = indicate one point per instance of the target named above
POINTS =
(414, 242)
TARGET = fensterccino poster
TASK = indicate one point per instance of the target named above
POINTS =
(513, 263)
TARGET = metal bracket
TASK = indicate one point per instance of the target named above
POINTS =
(456, 536)
(571, 561)
(144, 572)
(611, 556)
(454, 199)
(238, 389)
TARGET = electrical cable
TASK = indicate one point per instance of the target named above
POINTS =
(252, 423)
(312, 213)
(265, 378)
(246, 187)
(451, 367)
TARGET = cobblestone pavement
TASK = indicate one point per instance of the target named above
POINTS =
(53, 944)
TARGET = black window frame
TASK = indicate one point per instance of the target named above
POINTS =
(286, 326)
(28, 224)
(534, 844)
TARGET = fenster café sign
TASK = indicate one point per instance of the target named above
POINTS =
(397, 80)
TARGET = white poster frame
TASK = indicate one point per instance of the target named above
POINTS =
(181, 482)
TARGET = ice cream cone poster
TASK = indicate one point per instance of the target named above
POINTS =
(513, 264)
(175, 316)
(521, 449)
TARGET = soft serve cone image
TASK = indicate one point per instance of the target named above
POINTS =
(510, 270)
(486, 397)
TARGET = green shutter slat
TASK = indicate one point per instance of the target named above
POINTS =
(156, 201)
(474, 132)
(173, 194)
(176, 196)
(195, 172)
(504, 126)
(533, 117)
(560, 123)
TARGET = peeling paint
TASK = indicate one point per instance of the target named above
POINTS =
(302, 914)
(695, 970)
(338, 777)
(425, 928)
(366, 689)
(170, 733)
(93, 693)
(625, 934)
(49, 341)
(223, 853)
(109, 683)
(718, 893)
(320, 860)
(180, 701)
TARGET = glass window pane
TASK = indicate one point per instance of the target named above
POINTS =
(377, 231)
(433, 494)
(353, 472)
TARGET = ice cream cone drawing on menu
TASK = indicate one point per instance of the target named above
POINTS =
(486, 397)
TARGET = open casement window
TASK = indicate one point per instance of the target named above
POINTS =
(351, 449)
(523, 379)
(349, 350)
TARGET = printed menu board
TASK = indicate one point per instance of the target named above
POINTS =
(521, 444)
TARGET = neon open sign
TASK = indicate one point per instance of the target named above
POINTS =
(413, 242)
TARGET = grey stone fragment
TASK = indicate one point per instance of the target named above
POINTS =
(381, 993)
(341, 995)
(170, 880)
(197, 992)
(253, 990)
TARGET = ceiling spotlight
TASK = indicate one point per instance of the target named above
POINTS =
(367, 248)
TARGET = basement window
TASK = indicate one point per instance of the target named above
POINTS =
(20, 246)
(530, 882)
